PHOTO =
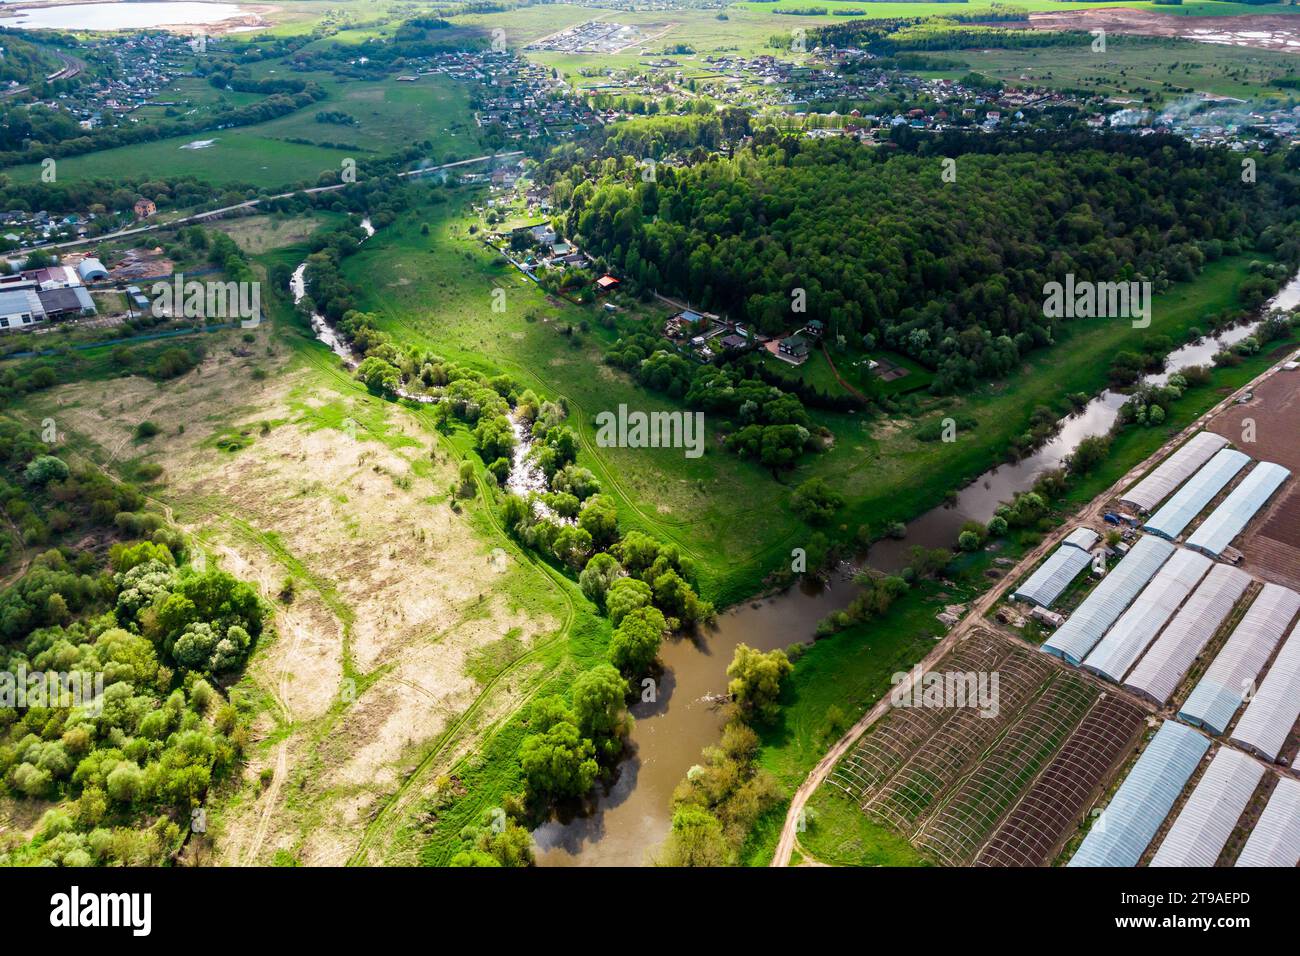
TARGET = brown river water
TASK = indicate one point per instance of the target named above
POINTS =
(628, 822)
(629, 819)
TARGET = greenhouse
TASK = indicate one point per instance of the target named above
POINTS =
(1127, 826)
(1138, 626)
(1272, 712)
(1099, 610)
(1158, 672)
(1275, 841)
(1173, 471)
(1190, 500)
(1207, 819)
(1223, 687)
(1082, 537)
(1231, 517)
(1053, 576)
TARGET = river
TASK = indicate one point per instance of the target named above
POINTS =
(122, 16)
(631, 819)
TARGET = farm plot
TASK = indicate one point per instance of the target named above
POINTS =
(888, 745)
(1000, 786)
(958, 830)
(1271, 543)
(916, 789)
(1037, 826)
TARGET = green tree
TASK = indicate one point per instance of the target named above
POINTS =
(755, 680)
(815, 502)
(636, 641)
(624, 595)
(558, 763)
(601, 572)
(696, 839)
(600, 709)
(599, 517)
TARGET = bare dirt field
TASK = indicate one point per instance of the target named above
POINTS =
(395, 597)
(1271, 542)
(1265, 31)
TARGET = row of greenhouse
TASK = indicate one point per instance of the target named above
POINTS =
(1190, 479)
(1200, 830)
(1145, 626)
(1148, 620)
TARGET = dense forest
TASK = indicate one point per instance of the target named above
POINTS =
(888, 253)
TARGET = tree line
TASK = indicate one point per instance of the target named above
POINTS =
(884, 252)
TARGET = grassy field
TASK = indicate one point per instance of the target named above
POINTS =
(839, 834)
(1135, 67)
(390, 115)
(236, 156)
(410, 628)
(435, 290)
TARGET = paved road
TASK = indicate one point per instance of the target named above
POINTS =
(250, 204)
(1090, 514)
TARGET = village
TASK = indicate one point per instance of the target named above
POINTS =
(130, 71)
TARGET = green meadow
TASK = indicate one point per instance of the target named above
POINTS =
(235, 156)
(389, 114)
(1142, 68)
(730, 515)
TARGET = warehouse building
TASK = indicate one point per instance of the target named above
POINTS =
(1190, 500)
(1082, 537)
(1173, 471)
(66, 303)
(1129, 824)
(1053, 576)
(1275, 841)
(1158, 673)
(1221, 690)
(1231, 517)
(1272, 712)
(1139, 625)
(1201, 829)
(1108, 600)
(91, 270)
(20, 309)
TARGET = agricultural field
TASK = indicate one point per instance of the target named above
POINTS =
(944, 778)
(297, 148)
(221, 158)
(1154, 71)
